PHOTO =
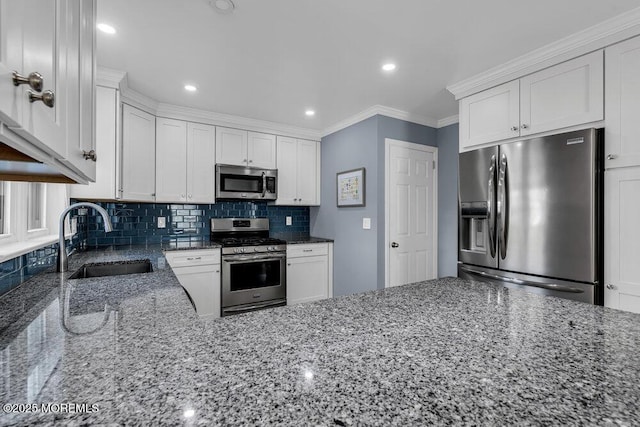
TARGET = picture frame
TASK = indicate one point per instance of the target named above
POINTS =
(351, 188)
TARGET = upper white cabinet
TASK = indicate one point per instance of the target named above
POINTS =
(298, 171)
(51, 45)
(184, 161)
(622, 104)
(138, 175)
(565, 95)
(243, 148)
(107, 181)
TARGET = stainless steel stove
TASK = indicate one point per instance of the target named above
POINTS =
(253, 265)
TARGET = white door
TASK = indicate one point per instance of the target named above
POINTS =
(622, 239)
(411, 212)
(201, 141)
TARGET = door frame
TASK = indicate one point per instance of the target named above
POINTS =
(388, 143)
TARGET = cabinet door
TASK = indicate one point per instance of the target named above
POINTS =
(138, 154)
(568, 94)
(171, 160)
(106, 139)
(308, 174)
(307, 279)
(203, 286)
(489, 116)
(11, 97)
(287, 153)
(622, 239)
(45, 44)
(261, 150)
(622, 104)
(80, 88)
(231, 146)
(200, 163)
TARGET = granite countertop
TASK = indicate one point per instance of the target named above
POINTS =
(294, 239)
(446, 351)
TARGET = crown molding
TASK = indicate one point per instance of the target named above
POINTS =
(448, 121)
(109, 77)
(611, 31)
(383, 111)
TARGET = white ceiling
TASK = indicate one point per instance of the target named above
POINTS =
(272, 59)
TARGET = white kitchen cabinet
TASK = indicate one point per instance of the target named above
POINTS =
(107, 180)
(184, 161)
(298, 162)
(198, 271)
(243, 148)
(622, 239)
(138, 155)
(55, 39)
(622, 104)
(309, 272)
(562, 96)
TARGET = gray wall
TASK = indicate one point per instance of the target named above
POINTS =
(447, 200)
(359, 254)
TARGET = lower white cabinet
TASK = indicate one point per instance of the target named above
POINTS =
(622, 239)
(309, 272)
(198, 271)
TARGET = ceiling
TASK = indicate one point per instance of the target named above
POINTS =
(273, 59)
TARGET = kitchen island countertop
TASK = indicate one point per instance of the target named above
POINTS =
(445, 351)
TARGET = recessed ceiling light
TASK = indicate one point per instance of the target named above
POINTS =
(106, 28)
(190, 88)
(389, 66)
(222, 6)
(310, 113)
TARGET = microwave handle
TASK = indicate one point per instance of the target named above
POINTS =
(264, 184)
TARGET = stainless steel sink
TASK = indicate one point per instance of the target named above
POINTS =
(116, 268)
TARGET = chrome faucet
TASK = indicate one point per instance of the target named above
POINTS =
(63, 262)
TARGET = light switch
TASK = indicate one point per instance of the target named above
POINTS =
(289, 221)
(366, 223)
(162, 222)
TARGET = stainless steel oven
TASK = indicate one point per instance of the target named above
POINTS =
(253, 281)
(240, 182)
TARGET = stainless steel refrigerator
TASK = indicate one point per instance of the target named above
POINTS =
(530, 215)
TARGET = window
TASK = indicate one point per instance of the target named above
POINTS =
(4, 208)
(35, 206)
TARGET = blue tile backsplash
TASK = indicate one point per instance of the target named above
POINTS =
(136, 223)
(17, 270)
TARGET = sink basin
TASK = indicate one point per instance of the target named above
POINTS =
(116, 268)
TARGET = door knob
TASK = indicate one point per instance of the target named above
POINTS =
(394, 245)
(610, 286)
(612, 156)
(34, 80)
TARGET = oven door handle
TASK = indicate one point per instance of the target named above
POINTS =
(264, 256)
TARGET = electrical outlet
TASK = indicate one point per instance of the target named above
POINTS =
(162, 222)
(366, 223)
(289, 220)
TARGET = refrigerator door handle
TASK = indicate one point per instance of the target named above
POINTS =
(550, 286)
(503, 206)
(491, 195)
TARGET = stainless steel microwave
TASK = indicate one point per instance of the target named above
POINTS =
(240, 182)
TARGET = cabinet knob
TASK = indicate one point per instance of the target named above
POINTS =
(190, 196)
(289, 263)
(47, 97)
(250, 161)
(217, 271)
(244, 160)
(610, 286)
(394, 245)
(182, 196)
(525, 126)
(89, 155)
(514, 128)
(34, 80)
(612, 156)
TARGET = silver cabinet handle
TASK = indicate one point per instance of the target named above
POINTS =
(34, 80)
(612, 156)
(89, 155)
(610, 287)
(514, 128)
(525, 126)
(394, 245)
(48, 98)
(191, 258)
(307, 250)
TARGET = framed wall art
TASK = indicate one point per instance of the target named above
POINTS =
(350, 188)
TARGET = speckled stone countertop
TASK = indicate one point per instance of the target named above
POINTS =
(440, 352)
(295, 239)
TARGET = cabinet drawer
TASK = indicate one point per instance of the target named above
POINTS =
(314, 249)
(193, 258)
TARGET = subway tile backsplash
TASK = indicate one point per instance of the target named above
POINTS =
(136, 223)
